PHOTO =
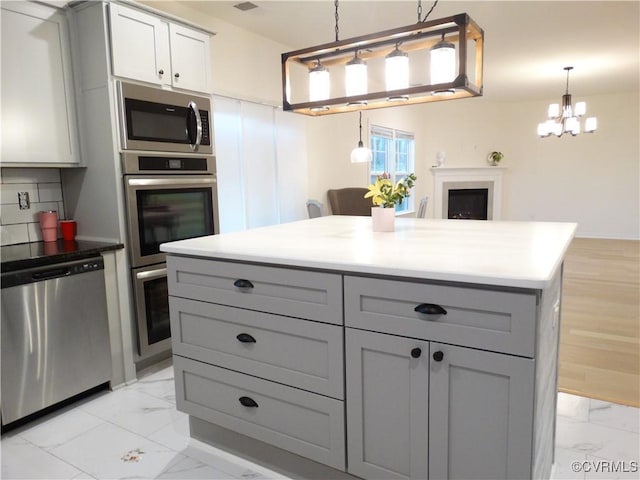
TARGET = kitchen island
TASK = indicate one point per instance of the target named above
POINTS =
(322, 349)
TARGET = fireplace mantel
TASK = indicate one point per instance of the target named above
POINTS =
(468, 177)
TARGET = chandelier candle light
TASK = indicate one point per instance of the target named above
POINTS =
(427, 61)
(565, 118)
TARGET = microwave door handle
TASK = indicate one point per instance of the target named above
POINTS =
(194, 108)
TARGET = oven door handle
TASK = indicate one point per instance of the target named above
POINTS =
(151, 274)
(177, 181)
(194, 108)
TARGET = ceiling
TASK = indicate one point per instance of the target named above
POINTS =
(527, 43)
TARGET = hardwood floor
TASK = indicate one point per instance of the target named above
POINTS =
(600, 333)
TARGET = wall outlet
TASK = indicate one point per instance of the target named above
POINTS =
(23, 200)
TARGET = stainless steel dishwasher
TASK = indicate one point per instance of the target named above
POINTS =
(55, 335)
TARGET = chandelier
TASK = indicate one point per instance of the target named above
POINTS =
(565, 118)
(424, 62)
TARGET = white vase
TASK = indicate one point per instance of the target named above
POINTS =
(383, 219)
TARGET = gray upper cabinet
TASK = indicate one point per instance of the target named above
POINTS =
(38, 106)
(151, 49)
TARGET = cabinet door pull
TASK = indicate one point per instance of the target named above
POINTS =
(161, 72)
(248, 402)
(246, 338)
(242, 283)
(177, 75)
(416, 352)
(430, 309)
(438, 356)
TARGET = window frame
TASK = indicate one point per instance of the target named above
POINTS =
(391, 152)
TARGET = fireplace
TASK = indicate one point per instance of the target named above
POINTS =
(468, 203)
(468, 192)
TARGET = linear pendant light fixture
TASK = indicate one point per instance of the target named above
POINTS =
(427, 61)
(565, 118)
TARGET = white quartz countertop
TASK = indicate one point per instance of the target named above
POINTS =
(511, 254)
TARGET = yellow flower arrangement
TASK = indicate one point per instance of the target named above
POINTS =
(386, 195)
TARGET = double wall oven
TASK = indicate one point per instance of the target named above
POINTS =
(171, 194)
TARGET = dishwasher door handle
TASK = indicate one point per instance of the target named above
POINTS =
(151, 274)
(56, 272)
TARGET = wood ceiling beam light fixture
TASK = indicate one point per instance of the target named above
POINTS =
(456, 41)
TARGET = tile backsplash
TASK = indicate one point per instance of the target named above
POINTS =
(44, 188)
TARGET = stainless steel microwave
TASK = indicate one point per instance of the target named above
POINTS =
(157, 120)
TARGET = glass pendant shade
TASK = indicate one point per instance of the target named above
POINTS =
(356, 77)
(581, 109)
(396, 66)
(554, 110)
(360, 154)
(590, 124)
(319, 83)
(443, 62)
(572, 125)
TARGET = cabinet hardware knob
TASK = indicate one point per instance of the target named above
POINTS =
(416, 352)
(242, 283)
(161, 72)
(177, 75)
(430, 309)
(246, 338)
(438, 356)
(248, 402)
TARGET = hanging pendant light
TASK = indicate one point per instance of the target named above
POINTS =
(394, 47)
(396, 72)
(356, 77)
(361, 154)
(443, 63)
(564, 118)
(319, 83)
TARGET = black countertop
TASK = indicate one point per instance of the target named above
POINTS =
(37, 254)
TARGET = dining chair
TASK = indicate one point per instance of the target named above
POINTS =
(314, 208)
(349, 201)
(422, 208)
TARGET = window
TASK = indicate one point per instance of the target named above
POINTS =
(393, 153)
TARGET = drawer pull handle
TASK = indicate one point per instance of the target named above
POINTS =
(430, 309)
(242, 283)
(245, 338)
(248, 402)
(416, 352)
(438, 356)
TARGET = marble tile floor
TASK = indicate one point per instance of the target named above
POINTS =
(136, 432)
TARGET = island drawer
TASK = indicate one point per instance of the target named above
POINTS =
(500, 321)
(294, 293)
(301, 422)
(300, 353)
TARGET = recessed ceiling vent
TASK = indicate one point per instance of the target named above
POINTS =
(244, 6)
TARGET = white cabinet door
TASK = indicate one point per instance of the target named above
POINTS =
(190, 59)
(139, 45)
(480, 414)
(387, 393)
(147, 48)
(38, 106)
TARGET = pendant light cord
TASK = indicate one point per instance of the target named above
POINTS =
(360, 144)
(420, 19)
(337, 18)
(568, 69)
